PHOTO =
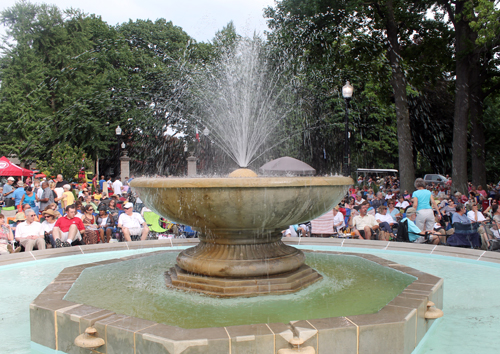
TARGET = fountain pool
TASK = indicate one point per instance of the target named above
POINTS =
(469, 324)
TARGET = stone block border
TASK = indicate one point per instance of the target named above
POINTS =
(472, 254)
(396, 328)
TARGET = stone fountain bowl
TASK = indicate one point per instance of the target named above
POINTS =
(240, 219)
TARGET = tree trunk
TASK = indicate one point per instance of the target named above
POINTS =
(398, 82)
(461, 118)
(477, 136)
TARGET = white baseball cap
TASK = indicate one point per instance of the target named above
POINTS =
(128, 205)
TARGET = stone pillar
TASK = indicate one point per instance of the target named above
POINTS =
(191, 166)
(124, 166)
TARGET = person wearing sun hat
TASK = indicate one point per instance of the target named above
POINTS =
(414, 233)
(48, 226)
(132, 223)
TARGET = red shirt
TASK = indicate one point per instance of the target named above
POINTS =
(63, 223)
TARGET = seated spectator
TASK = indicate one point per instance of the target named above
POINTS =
(79, 209)
(68, 228)
(364, 225)
(475, 216)
(481, 191)
(370, 195)
(30, 233)
(113, 209)
(48, 226)
(132, 224)
(389, 195)
(97, 195)
(462, 218)
(392, 211)
(338, 219)
(378, 200)
(292, 231)
(402, 204)
(6, 237)
(91, 234)
(359, 199)
(385, 222)
(414, 233)
(105, 225)
(88, 201)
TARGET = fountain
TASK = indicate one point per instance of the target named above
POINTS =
(240, 251)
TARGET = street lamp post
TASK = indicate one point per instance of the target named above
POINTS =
(118, 132)
(206, 132)
(347, 93)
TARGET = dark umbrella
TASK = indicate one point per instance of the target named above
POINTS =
(287, 166)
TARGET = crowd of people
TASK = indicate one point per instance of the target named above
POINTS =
(431, 211)
(374, 208)
(56, 213)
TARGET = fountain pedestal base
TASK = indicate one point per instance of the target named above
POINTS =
(284, 283)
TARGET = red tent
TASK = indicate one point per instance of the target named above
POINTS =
(7, 168)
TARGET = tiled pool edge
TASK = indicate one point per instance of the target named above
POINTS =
(397, 328)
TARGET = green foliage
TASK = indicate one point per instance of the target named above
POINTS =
(64, 159)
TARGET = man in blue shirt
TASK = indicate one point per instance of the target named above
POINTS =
(8, 190)
(101, 182)
(18, 193)
(414, 233)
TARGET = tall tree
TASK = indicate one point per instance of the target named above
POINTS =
(393, 29)
(477, 40)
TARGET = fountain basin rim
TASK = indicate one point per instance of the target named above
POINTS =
(239, 182)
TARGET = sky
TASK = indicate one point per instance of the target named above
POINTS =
(200, 19)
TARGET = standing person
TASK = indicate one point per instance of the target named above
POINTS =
(18, 194)
(132, 224)
(30, 233)
(29, 197)
(117, 187)
(67, 198)
(101, 182)
(94, 183)
(424, 202)
(38, 192)
(6, 236)
(8, 191)
(47, 196)
(60, 181)
(91, 234)
(68, 228)
(2, 198)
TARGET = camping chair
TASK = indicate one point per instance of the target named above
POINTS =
(188, 232)
(153, 221)
(402, 234)
(323, 226)
(465, 235)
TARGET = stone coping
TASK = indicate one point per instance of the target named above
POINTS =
(240, 182)
(467, 253)
(396, 328)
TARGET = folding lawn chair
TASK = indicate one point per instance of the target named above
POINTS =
(153, 221)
